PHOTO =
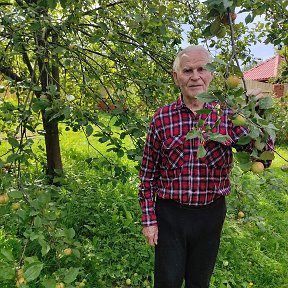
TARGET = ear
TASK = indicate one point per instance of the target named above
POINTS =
(175, 78)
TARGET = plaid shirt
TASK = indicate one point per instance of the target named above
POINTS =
(170, 166)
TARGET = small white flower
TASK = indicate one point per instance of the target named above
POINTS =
(70, 97)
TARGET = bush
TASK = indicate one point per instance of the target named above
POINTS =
(280, 119)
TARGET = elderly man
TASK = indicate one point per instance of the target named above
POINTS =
(182, 197)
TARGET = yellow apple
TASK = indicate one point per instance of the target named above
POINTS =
(257, 167)
(233, 81)
(15, 206)
(20, 281)
(128, 282)
(67, 251)
(20, 272)
(239, 120)
(241, 214)
(60, 285)
(4, 198)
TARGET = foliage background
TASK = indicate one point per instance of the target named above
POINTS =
(79, 83)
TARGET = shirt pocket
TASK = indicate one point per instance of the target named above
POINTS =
(173, 152)
(218, 155)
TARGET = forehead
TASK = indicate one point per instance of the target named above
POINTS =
(194, 58)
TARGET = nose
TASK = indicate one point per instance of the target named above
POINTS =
(195, 75)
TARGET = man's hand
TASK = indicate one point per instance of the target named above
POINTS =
(257, 92)
(259, 95)
(151, 234)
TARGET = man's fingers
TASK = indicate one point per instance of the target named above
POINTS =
(257, 92)
(254, 92)
(151, 235)
(156, 238)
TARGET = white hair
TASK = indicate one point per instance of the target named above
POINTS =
(199, 48)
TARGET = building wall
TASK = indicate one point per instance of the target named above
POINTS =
(267, 88)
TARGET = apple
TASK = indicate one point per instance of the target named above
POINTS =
(241, 214)
(112, 106)
(284, 168)
(67, 251)
(257, 167)
(233, 81)
(60, 285)
(225, 18)
(20, 272)
(20, 281)
(15, 206)
(239, 120)
(102, 105)
(72, 46)
(4, 198)
(128, 282)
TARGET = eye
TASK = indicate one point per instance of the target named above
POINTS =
(187, 70)
(201, 69)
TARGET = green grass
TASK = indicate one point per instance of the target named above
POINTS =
(102, 207)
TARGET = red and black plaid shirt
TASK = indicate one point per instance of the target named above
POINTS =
(170, 166)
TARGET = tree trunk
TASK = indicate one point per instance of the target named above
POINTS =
(47, 77)
(53, 155)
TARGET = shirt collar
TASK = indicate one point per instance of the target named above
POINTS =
(180, 104)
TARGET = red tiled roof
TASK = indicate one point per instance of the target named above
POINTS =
(265, 70)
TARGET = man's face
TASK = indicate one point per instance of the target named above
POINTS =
(191, 77)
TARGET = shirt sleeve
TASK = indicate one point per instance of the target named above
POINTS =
(239, 131)
(149, 173)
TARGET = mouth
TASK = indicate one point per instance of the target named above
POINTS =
(195, 86)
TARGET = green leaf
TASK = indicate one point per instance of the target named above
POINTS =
(7, 272)
(227, 3)
(33, 272)
(267, 155)
(63, 3)
(249, 19)
(49, 283)
(76, 253)
(266, 103)
(201, 152)
(120, 153)
(13, 142)
(89, 130)
(52, 4)
(37, 222)
(7, 254)
(203, 111)
(40, 104)
(71, 275)
(242, 157)
(218, 137)
(69, 233)
(15, 194)
(193, 134)
(206, 97)
(210, 67)
(245, 166)
(137, 133)
(37, 88)
(45, 247)
(243, 140)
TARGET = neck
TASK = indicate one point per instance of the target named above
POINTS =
(193, 104)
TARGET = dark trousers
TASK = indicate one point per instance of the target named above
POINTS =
(188, 243)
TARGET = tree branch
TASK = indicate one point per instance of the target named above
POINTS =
(9, 73)
(99, 8)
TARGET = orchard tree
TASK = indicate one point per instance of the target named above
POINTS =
(73, 61)
(69, 60)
